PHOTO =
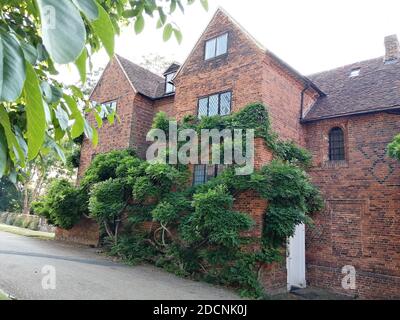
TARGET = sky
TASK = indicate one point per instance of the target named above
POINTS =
(310, 35)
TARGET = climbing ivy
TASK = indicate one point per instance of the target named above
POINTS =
(195, 231)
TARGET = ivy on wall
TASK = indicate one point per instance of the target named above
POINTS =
(150, 213)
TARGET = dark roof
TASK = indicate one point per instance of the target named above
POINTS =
(143, 80)
(376, 88)
(172, 68)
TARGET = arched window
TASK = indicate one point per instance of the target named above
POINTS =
(336, 144)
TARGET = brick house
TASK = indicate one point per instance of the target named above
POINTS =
(345, 117)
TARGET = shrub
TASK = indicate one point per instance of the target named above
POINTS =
(61, 206)
(107, 204)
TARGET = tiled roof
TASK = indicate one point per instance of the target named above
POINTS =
(143, 80)
(377, 87)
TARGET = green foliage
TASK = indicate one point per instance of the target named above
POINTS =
(394, 148)
(214, 220)
(10, 196)
(107, 200)
(74, 159)
(36, 36)
(61, 206)
(104, 167)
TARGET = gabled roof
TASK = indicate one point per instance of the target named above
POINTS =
(143, 80)
(174, 67)
(274, 57)
(376, 88)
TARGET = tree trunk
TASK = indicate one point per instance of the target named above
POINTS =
(26, 200)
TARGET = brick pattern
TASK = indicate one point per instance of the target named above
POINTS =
(360, 223)
(113, 86)
(85, 232)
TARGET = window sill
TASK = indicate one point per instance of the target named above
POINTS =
(335, 164)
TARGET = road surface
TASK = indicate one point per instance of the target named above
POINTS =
(28, 266)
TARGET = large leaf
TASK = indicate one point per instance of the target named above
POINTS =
(104, 30)
(63, 30)
(35, 113)
(88, 7)
(12, 68)
(79, 124)
(14, 148)
(30, 52)
(81, 65)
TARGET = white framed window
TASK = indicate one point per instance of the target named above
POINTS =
(216, 47)
(169, 87)
(216, 104)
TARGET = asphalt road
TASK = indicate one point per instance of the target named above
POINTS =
(26, 264)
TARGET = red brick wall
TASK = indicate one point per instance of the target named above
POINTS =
(166, 105)
(86, 232)
(113, 86)
(238, 71)
(282, 94)
(143, 114)
(360, 225)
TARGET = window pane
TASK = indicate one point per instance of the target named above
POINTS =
(213, 105)
(222, 44)
(203, 107)
(199, 174)
(226, 103)
(210, 48)
(336, 145)
(169, 87)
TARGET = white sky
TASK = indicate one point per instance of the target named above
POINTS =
(310, 35)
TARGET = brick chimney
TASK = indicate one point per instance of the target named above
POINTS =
(392, 48)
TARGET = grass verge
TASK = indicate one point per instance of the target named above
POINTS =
(26, 232)
(3, 296)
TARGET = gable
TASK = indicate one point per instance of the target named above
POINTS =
(112, 84)
(240, 43)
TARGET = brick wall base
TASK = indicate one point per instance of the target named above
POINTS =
(368, 285)
(85, 232)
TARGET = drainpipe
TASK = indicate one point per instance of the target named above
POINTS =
(302, 100)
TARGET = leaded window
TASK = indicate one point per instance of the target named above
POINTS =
(336, 145)
(216, 104)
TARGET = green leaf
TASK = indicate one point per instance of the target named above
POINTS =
(88, 7)
(30, 52)
(139, 24)
(104, 30)
(62, 117)
(3, 153)
(204, 3)
(63, 30)
(95, 140)
(46, 89)
(178, 35)
(35, 114)
(79, 125)
(167, 32)
(81, 65)
(12, 68)
(14, 148)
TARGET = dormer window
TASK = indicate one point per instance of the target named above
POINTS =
(216, 47)
(169, 86)
(355, 72)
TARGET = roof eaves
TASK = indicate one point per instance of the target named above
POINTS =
(362, 112)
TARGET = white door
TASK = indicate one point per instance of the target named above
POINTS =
(296, 260)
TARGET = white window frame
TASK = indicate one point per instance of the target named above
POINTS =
(216, 45)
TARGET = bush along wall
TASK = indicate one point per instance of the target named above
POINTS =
(150, 213)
